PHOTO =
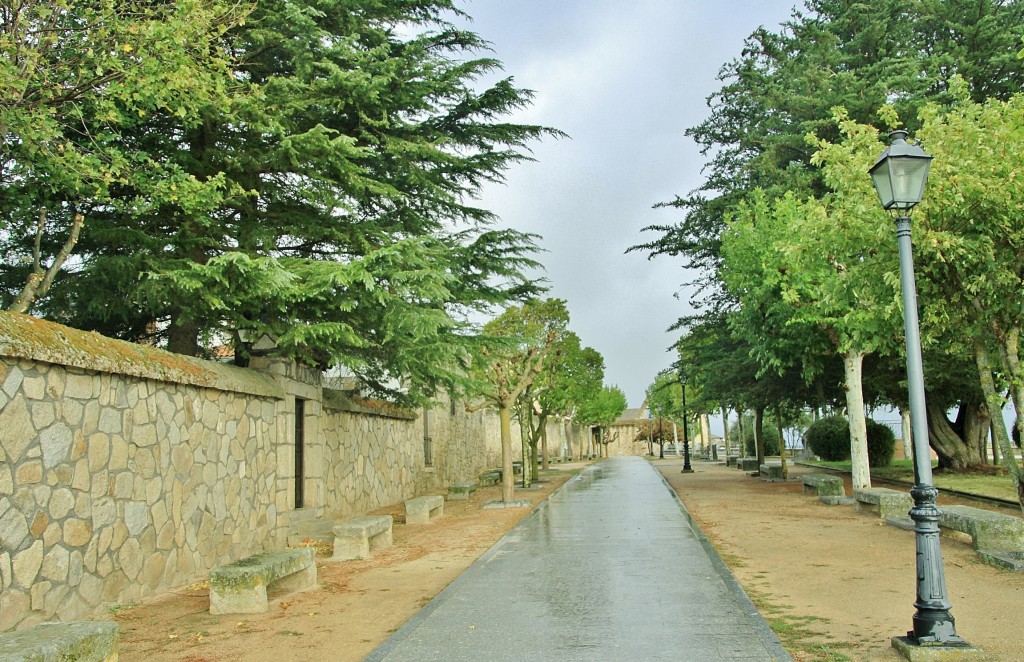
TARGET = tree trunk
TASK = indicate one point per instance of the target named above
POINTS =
(183, 338)
(725, 431)
(524, 440)
(908, 434)
(995, 447)
(782, 443)
(853, 363)
(742, 432)
(40, 280)
(508, 488)
(705, 435)
(759, 436)
(544, 443)
(988, 387)
(1011, 358)
(958, 444)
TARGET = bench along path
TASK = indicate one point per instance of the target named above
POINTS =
(576, 582)
(355, 538)
(61, 642)
(241, 587)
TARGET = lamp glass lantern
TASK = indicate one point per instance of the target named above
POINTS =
(901, 173)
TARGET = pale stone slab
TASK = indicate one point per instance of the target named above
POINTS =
(989, 530)
(56, 642)
(241, 587)
(890, 503)
(355, 538)
(421, 510)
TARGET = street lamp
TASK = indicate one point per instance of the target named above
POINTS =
(899, 177)
(687, 469)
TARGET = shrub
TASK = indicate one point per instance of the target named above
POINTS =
(829, 438)
(771, 441)
(881, 444)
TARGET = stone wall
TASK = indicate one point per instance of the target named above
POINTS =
(126, 471)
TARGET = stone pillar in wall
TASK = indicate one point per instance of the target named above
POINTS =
(302, 387)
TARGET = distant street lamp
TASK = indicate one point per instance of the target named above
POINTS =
(899, 177)
(687, 469)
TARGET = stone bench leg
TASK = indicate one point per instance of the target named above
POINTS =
(250, 600)
(297, 581)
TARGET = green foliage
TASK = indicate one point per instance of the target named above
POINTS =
(784, 84)
(79, 83)
(306, 173)
(829, 438)
(881, 444)
(603, 407)
(771, 441)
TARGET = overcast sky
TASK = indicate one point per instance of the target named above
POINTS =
(624, 80)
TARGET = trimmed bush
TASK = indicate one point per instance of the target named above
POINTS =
(771, 441)
(881, 444)
(829, 438)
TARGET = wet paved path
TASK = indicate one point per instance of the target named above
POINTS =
(609, 569)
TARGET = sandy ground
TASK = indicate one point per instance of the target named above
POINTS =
(836, 583)
(357, 605)
(844, 578)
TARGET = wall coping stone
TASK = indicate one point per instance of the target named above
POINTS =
(27, 337)
(341, 401)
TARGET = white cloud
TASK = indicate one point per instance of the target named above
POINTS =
(624, 80)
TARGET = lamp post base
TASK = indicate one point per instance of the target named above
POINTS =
(686, 471)
(909, 648)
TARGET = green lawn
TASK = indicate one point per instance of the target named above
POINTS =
(999, 487)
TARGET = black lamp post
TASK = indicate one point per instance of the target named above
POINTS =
(687, 469)
(899, 177)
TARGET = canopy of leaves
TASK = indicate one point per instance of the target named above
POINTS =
(317, 192)
(603, 407)
(856, 55)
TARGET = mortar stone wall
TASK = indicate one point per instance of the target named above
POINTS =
(126, 471)
(112, 487)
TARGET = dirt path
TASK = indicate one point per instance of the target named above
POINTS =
(835, 583)
(356, 607)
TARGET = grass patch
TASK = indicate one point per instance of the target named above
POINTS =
(114, 610)
(797, 633)
(981, 484)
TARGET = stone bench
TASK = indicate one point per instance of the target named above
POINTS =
(823, 485)
(770, 471)
(95, 641)
(489, 478)
(747, 464)
(354, 538)
(988, 530)
(461, 491)
(890, 504)
(424, 509)
(241, 587)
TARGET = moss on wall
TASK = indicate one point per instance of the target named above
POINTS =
(27, 337)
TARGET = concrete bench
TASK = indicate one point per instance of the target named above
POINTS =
(988, 530)
(489, 478)
(747, 464)
(424, 509)
(823, 485)
(461, 491)
(241, 587)
(890, 504)
(56, 642)
(770, 471)
(354, 538)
